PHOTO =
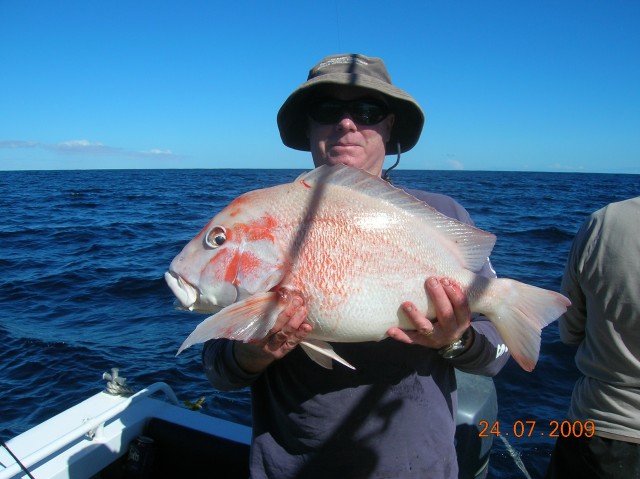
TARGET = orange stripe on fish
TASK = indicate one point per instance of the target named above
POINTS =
(249, 266)
(224, 265)
(259, 229)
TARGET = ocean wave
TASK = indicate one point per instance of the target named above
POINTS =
(550, 233)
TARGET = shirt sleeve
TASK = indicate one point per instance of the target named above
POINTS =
(221, 367)
(572, 324)
(488, 354)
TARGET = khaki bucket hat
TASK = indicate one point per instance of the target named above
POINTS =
(359, 71)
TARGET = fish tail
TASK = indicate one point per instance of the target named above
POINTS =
(521, 315)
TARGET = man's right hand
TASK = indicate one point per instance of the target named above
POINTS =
(290, 329)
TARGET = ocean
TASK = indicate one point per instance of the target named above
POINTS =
(82, 257)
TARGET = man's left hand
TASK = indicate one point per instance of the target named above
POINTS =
(453, 316)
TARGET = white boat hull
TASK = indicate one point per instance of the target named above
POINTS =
(86, 438)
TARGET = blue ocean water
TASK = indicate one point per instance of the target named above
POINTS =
(82, 257)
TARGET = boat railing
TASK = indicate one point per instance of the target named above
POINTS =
(91, 428)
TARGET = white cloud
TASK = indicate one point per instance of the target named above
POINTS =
(78, 144)
(157, 152)
(561, 167)
(18, 144)
(86, 147)
(455, 164)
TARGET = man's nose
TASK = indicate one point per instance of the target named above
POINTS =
(346, 122)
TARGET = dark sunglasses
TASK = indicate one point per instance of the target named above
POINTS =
(365, 111)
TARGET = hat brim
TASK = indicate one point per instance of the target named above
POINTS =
(409, 118)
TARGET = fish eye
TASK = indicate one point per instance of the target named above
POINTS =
(215, 237)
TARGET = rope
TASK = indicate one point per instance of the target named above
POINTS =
(516, 457)
(116, 384)
(24, 469)
(386, 173)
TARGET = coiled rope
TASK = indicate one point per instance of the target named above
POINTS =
(116, 384)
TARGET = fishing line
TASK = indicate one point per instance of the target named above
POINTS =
(15, 458)
(337, 25)
(516, 457)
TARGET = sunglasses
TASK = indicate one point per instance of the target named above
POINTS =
(365, 111)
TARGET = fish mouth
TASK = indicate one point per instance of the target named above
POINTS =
(184, 292)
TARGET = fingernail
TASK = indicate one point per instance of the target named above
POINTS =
(407, 307)
(445, 282)
(433, 282)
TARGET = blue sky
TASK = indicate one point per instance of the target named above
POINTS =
(505, 85)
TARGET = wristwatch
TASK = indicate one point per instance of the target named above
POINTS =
(457, 347)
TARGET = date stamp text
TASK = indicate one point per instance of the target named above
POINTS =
(529, 428)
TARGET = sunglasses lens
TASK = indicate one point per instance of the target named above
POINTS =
(367, 112)
(364, 112)
(326, 112)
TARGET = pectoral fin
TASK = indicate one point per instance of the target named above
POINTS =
(247, 320)
(322, 353)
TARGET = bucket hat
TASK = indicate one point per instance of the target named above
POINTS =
(355, 70)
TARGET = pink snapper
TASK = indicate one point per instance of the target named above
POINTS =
(355, 248)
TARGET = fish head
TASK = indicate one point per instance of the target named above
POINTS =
(236, 255)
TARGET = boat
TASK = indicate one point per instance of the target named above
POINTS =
(119, 433)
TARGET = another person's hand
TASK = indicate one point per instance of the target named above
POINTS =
(453, 317)
(289, 330)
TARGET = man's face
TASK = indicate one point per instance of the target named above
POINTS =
(348, 142)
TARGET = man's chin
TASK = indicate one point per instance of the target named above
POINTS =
(374, 169)
(345, 159)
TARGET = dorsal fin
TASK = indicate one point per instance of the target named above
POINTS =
(474, 244)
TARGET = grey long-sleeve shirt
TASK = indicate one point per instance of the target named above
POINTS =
(602, 280)
(394, 416)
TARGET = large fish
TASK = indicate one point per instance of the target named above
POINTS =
(355, 248)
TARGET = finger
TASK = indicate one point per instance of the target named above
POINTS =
(294, 331)
(400, 335)
(420, 322)
(292, 303)
(459, 302)
(424, 328)
(297, 314)
(441, 302)
(413, 337)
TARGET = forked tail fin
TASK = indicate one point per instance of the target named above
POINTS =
(520, 316)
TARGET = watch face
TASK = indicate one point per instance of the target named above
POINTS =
(453, 350)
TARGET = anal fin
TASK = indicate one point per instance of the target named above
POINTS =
(322, 353)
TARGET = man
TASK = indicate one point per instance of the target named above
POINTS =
(394, 416)
(602, 280)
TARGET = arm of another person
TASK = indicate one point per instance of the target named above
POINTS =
(572, 324)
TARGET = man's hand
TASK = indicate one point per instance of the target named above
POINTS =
(453, 317)
(289, 330)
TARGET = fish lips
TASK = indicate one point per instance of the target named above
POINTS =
(184, 292)
(189, 297)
